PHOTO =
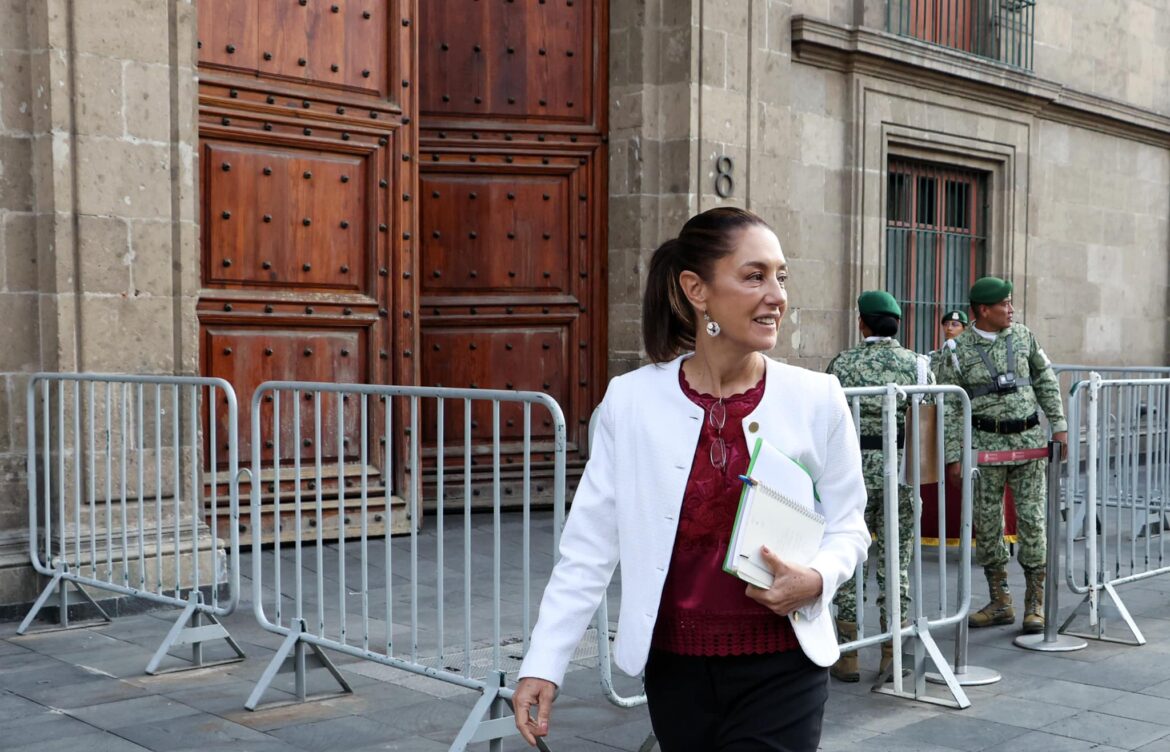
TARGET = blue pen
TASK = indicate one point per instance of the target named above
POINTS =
(748, 480)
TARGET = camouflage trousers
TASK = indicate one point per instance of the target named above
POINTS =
(846, 598)
(1029, 490)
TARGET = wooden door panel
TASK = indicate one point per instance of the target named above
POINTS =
(249, 355)
(286, 217)
(341, 44)
(308, 259)
(488, 232)
(507, 60)
(524, 358)
(227, 34)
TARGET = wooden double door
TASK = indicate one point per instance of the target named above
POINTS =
(406, 192)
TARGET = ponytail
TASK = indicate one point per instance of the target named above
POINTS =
(668, 319)
(668, 325)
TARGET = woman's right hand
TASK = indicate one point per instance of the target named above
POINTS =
(532, 691)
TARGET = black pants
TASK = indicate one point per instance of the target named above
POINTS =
(736, 703)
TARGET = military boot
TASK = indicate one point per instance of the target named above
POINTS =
(1034, 600)
(888, 655)
(999, 610)
(846, 668)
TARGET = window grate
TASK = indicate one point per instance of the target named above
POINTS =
(936, 244)
(1000, 30)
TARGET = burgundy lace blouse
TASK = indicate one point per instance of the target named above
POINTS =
(704, 610)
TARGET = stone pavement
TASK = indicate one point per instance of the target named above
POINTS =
(85, 689)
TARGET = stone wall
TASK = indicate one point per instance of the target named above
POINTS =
(98, 251)
(1077, 154)
(20, 277)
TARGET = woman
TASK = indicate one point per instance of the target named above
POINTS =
(727, 667)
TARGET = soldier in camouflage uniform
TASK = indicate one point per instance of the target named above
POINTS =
(953, 324)
(1007, 375)
(877, 361)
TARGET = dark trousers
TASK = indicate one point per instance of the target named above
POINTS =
(741, 703)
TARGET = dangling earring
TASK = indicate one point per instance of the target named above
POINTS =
(712, 325)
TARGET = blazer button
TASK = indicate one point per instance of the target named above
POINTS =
(753, 426)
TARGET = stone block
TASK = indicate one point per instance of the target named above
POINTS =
(16, 92)
(675, 160)
(675, 111)
(100, 107)
(679, 12)
(14, 30)
(621, 66)
(151, 257)
(778, 22)
(128, 334)
(730, 16)
(123, 29)
(7, 438)
(714, 73)
(21, 350)
(619, 155)
(627, 14)
(147, 101)
(104, 250)
(123, 179)
(642, 166)
(772, 83)
(625, 110)
(724, 116)
(18, 239)
(16, 185)
(675, 55)
(625, 220)
(737, 62)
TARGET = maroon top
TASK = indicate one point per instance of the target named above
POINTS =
(704, 610)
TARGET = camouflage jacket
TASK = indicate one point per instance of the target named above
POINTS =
(877, 363)
(938, 356)
(973, 375)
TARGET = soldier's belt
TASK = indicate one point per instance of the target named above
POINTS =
(1012, 455)
(1000, 425)
(874, 441)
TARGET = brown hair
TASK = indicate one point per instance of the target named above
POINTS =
(668, 321)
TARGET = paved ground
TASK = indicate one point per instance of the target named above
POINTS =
(85, 689)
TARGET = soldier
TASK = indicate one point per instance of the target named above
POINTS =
(878, 360)
(953, 324)
(1007, 375)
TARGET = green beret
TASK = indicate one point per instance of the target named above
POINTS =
(955, 315)
(990, 290)
(879, 302)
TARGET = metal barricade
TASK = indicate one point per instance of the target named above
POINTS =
(390, 601)
(1125, 496)
(1069, 376)
(952, 591)
(118, 495)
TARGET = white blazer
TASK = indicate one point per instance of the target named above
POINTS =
(627, 505)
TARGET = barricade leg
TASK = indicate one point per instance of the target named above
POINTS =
(293, 648)
(1098, 614)
(195, 635)
(497, 727)
(925, 648)
(59, 584)
(1049, 641)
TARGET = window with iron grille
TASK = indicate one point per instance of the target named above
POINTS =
(936, 243)
(1000, 30)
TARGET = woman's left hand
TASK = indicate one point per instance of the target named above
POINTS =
(795, 585)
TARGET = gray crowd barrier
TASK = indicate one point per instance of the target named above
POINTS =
(397, 604)
(1119, 508)
(117, 498)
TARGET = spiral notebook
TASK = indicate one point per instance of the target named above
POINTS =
(776, 509)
